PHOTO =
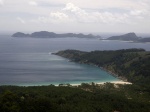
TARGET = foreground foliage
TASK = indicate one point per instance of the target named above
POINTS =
(85, 98)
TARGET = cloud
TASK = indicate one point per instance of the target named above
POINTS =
(106, 16)
(1, 2)
(84, 16)
(139, 12)
(71, 13)
(77, 13)
(58, 15)
(33, 3)
(21, 20)
(54, 17)
(71, 7)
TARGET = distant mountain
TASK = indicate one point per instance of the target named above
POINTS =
(125, 37)
(46, 34)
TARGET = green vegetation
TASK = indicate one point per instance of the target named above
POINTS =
(132, 64)
(85, 98)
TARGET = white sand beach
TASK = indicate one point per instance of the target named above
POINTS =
(114, 82)
(121, 82)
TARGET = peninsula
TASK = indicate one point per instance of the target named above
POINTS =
(46, 34)
(126, 64)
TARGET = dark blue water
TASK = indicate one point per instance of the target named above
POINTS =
(28, 61)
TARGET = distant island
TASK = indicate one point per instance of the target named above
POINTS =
(129, 37)
(125, 37)
(46, 34)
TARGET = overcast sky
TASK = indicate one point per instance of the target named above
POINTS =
(75, 15)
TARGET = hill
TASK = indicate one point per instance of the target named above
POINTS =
(46, 34)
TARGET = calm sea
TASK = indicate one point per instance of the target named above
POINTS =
(28, 61)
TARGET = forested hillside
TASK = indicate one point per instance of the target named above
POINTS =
(130, 64)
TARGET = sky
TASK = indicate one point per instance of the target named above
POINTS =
(75, 15)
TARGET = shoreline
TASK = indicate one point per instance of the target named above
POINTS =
(69, 84)
(114, 74)
(120, 82)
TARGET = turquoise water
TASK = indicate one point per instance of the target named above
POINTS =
(28, 69)
(28, 61)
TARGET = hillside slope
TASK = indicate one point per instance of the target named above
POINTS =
(130, 64)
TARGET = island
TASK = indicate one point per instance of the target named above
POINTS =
(130, 37)
(126, 37)
(147, 39)
(46, 34)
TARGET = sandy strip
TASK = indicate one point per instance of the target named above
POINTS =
(114, 82)
(120, 82)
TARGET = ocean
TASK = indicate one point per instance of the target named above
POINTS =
(29, 62)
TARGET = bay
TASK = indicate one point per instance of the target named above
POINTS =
(28, 61)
